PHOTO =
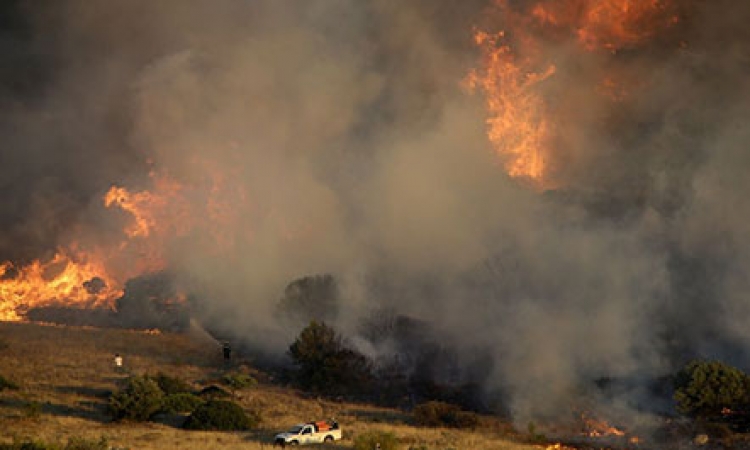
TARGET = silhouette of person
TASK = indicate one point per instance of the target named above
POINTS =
(227, 349)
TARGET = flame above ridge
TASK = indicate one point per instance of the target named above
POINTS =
(517, 63)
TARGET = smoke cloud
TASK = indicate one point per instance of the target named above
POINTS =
(346, 144)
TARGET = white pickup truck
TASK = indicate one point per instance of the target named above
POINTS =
(309, 433)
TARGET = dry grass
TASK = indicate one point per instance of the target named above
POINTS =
(65, 375)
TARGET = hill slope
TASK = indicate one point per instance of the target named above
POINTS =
(65, 375)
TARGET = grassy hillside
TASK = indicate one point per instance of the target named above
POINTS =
(66, 374)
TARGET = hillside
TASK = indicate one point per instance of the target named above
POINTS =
(65, 375)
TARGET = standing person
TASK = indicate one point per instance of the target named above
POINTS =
(118, 362)
(227, 349)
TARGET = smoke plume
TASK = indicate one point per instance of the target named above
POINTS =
(339, 138)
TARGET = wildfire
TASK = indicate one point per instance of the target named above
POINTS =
(93, 276)
(85, 277)
(517, 63)
(518, 124)
(146, 206)
(599, 428)
(617, 24)
(70, 278)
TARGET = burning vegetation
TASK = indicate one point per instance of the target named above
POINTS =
(66, 279)
(97, 276)
(279, 145)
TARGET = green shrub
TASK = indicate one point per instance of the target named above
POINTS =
(441, 414)
(214, 392)
(368, 441)
(180, 403)
(221, 415)
(7, 384)
(171, 385)
(704, 388)
(239, 380)
(140, 399)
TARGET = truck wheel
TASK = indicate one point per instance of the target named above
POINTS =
(328, 438)
(294, 443)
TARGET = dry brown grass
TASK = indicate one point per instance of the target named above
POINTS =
(65, 375)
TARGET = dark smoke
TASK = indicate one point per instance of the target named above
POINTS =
(346, 125)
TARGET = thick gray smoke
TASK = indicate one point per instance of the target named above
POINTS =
(351, 149)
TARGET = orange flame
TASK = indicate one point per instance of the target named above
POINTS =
(146, 207)
(617, 24)
(599, 428)
(518, 124)
(84, 277)
(69, 278)
(93, 276)
(516, 66)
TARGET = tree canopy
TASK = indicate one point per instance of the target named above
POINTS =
(325, 364)
(705, 388)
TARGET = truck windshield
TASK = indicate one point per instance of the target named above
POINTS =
(296, 429)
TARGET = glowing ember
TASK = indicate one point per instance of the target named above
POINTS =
(516, 62)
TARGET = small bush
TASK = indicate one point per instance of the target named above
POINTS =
(171, 385)
(239, 380)
(369, 440)
(7, 384)
(441, 414)
(180, 403)
(140, 399)
(221, 415)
